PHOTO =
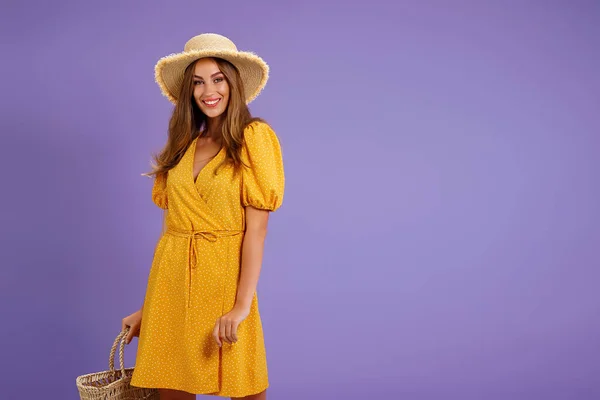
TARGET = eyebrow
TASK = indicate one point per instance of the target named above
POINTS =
(216, 73)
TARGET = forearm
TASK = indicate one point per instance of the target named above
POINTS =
(252, 254)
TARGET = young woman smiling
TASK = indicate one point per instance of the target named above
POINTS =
(217, 179)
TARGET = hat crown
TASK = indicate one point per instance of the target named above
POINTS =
(209, 41)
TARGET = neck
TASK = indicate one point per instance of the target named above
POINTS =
(213, 127)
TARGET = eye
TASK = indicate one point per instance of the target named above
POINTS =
(197, 82)
(218, 79)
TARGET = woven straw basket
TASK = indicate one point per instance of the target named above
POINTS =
(113, 384)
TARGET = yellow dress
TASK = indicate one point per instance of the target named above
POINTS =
(195, 270)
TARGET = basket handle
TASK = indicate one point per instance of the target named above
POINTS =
(111, 359)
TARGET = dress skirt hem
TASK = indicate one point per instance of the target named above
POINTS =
(203, 392)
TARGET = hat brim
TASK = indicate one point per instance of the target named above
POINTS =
(253, 70)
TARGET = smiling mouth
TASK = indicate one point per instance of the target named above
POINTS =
(211, 103)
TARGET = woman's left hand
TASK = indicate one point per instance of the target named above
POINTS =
(226, 326)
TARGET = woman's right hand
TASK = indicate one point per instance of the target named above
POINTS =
(134, 322)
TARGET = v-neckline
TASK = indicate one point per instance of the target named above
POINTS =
(193, 146)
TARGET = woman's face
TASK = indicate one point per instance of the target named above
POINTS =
(211, 90)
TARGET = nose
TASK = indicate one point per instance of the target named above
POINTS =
(209, 87)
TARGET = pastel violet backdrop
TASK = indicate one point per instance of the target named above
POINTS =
(440, 229)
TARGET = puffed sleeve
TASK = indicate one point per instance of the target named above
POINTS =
(159, 191)
(263, 182)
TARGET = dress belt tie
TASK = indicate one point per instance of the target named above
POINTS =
(191, 235)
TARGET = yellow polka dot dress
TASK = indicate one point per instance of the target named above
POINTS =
(195, 270)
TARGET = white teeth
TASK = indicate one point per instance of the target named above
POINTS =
(212, 103)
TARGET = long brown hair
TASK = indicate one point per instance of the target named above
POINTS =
(188, 120)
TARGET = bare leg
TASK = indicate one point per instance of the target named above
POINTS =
(259, 396)
(171, 394)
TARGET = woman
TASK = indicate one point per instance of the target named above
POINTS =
(217, 178)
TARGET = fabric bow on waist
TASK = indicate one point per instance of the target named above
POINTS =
(192, 235)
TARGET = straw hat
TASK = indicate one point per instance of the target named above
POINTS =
(169, 70)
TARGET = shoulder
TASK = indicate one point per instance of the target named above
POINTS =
(259, 136)
(261, 146)
(258, 128)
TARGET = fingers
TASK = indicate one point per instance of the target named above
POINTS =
(231, 331)
(228, 332)
(129, 333)
(133, 331)
(223, 330)
(234, 333)
(124, 326)
(134, 323)
(216, 332)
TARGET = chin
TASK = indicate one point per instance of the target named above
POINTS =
(212, 113)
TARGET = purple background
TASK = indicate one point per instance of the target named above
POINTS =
(440, 230)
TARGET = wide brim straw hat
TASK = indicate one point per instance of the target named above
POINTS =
(169, 70)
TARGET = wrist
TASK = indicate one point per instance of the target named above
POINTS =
(243, 304)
